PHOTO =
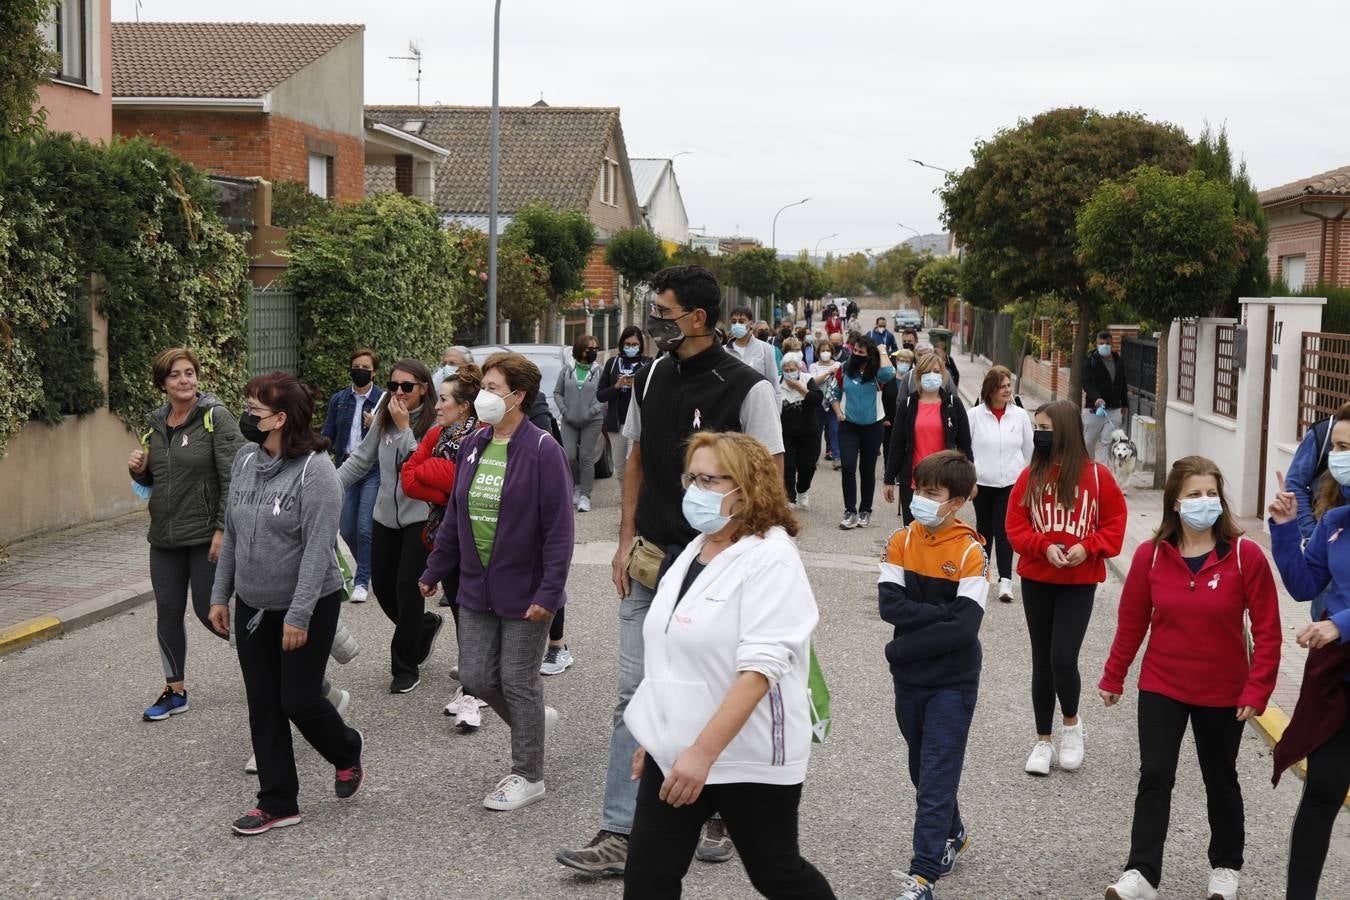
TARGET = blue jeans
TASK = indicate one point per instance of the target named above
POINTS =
(358, 520)
(829, 424)
(620, 789)
(934, 723)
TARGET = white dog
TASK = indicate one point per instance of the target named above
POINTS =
(1124, 458)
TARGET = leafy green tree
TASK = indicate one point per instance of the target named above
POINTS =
(1215, 159)
(755, 271)
(636, 254)
(938, 281)
(522, 279)
(294, 204)
(849, 275)
(893, 271)
(1166, 243)
(1014, 207)
(562, 238)
(799, 280)
(25, 63)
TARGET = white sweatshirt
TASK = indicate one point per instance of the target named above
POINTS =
(750, 610)
(1002, 448)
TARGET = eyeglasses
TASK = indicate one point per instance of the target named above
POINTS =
(661, 312)
(259, 412)
(707, 482)
(406, 387)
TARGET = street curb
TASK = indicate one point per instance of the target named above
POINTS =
(74, 617)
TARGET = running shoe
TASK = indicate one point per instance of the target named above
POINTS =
(864, 519)
(513, 792)
(429, 635)
(360, 594)
(1041, 758)
(1223, 884)
(714, 845)
(404, 684)
(849, 522)
(170, 703)
(1005, 590)
(584, 504)
(346, 782)
(606, 854)
(556, 661)
(1132, 886)
(256, 821)
(913, 887)
(955, 847)
(1071, 747)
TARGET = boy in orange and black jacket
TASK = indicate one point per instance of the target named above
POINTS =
(933, 590)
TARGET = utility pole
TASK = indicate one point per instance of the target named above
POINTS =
(494, 126)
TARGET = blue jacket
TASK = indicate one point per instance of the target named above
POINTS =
(1305, 474)
(337, 425)
(1324, 561)
(884, 339)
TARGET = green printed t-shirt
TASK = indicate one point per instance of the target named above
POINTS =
(485, 496)
(583, 371)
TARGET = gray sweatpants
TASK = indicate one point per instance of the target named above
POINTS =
(499, 663)
(172, 572)
(582, 446)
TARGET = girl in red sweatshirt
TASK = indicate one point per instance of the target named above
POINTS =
(1066, 517)
(1189, 589)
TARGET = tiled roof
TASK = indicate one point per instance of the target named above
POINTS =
(549, 154)
(646, 176)
(215, 59)
(1336, 182)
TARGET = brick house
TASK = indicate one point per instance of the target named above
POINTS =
(1309, 230)
(567, 157)
(284, 102)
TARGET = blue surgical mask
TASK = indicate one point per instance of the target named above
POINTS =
(930, 381)
(702, 509)
(1104, 349)
(739, 330)
(903, 368)
(1338, 463)
(631, 352)
(142, 491)
(925, 511)
(793, 376)
(1200, 513)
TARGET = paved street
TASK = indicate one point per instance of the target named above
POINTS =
(104, 804)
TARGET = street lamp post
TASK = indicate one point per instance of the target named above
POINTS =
(773, 240)
(494, 156)
(927, 166)
(819, 242)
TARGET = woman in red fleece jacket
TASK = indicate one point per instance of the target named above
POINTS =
(1066, 517)
(1189, 589)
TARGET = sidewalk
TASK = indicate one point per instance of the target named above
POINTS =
(60, 581)
(1145, 507)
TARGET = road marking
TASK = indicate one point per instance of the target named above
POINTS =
(18, 636)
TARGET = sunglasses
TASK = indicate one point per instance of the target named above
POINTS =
(406, 387)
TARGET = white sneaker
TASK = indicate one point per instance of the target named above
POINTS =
(1041, 758)
(513, 792)
(550, 721)
(1132, 886)
(344, 700)
(576, 496)
(454, 673)
(804, 500)
(556, 661)
(1005, 590)
(584, 504)
(251, 767)
(1223, 884)
(1071, 747)
(360, 594)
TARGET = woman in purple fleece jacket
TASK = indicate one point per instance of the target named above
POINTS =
(512, 479)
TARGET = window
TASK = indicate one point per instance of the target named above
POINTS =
(320, 175)
(609, 182)
(67, 33)
(1294, 268)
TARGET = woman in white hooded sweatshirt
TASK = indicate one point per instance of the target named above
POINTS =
(721, 717)
(1000, 438)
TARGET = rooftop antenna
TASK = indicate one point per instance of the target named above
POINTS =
(414, 55)
(138, 10)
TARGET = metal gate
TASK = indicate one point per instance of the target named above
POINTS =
(992, 337)
(273, 335)
(1140, 356)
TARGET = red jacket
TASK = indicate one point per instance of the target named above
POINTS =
(427, 477)
(1097, 521)
(1197, 645)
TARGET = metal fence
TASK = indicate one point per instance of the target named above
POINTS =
(1190, 334)
(273, 335)
(992, 337)
(1140, 356)
(1225, 372)
(1324, 377)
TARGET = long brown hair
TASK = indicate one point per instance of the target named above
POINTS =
(1068, 451)
(425, 415)
(752, 468)
(1330, 496)
(1226, 529)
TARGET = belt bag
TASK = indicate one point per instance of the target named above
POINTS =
(644, 562)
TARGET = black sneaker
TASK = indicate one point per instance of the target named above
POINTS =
(404, 684)
(256, 821)
(348, 781)
(429, 634)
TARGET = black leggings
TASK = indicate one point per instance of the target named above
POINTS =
(1057, 620)
(760, 818)
(397, 558)
(859, 447)
(1323, 794)
(800, 453)
(172, 571)
(555, 630)
(991, 513)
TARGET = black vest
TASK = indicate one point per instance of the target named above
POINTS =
(702, 393)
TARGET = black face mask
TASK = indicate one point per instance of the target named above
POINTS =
(589, 354)
(763, 335)
(361, 377)
(1041, 441)
(248, 426)
(908, 345)
(665, 333)
(855, 364)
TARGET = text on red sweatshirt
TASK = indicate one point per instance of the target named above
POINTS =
(1095, 519)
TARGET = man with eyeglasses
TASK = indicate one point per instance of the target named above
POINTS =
(697, 385)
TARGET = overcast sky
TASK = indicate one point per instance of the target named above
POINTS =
(785, 99)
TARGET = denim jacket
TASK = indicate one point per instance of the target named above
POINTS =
(337, 425)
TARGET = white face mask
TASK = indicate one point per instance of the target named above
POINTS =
(491, 408)
(826, 356)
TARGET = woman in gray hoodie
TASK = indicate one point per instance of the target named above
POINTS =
(397, 553)
(583, 415)
(278, 560)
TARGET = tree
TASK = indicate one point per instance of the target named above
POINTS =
(1166, 243)
(938, 281)
(799, 280)
(894, 270)
(562, 238)
(294, 204)
(754, 270)
(522, 279)
(1214, 158)
(1014, 208)
(25, 63)
(636, 254)
(848, 275)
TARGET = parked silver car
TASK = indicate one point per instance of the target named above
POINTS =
(908, 318)
(550, 358)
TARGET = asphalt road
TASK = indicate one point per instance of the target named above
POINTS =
(103, 804)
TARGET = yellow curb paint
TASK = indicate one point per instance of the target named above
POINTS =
(1272, 724)
(18, 636)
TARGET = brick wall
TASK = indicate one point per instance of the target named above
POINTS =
(1304, 237)
(599, 276)
(291, 143)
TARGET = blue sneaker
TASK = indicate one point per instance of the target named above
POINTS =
(955, 847)
(913, 887)
(170, 703)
